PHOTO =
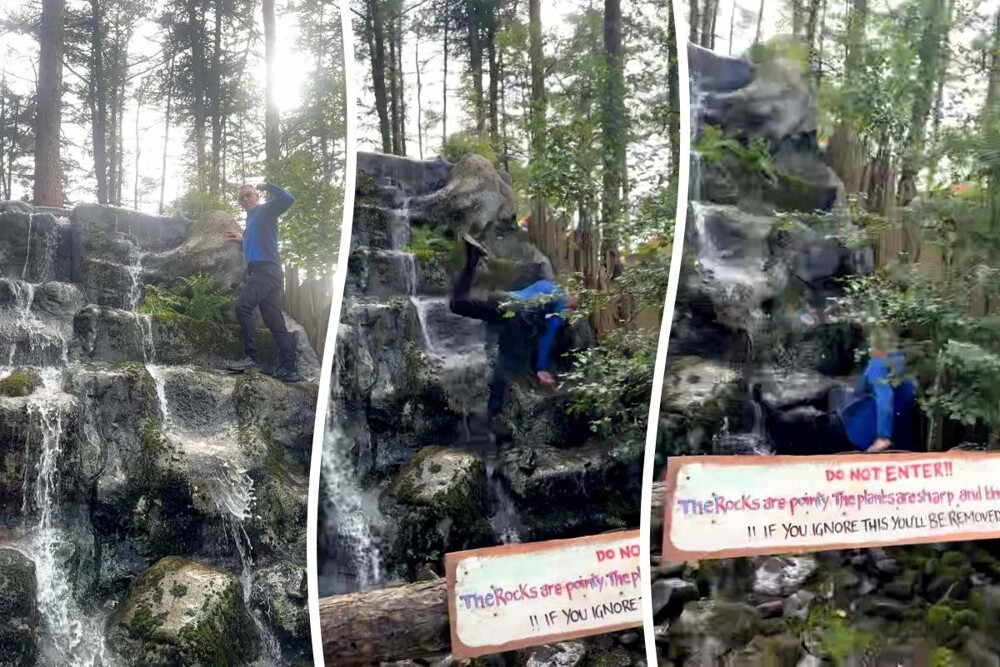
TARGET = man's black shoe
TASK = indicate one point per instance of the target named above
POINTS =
(287, 375)
(244, 364)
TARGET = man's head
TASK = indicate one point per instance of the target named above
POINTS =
(572, 301)
(882, 343)
(248, 197)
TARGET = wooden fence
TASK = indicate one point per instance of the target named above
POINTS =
(308, 302)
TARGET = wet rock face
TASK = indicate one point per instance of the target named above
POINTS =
(179, 612)
(18, 610)
(438, 501)
(411, 387)
(120, 429)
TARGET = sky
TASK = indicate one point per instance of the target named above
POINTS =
(19, 57)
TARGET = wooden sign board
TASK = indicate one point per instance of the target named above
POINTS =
(520, 595)
(726, 506)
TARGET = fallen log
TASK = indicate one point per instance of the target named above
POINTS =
(404, 622)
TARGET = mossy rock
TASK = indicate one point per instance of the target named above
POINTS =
(438, 502)
(180, 612)
(19, 383)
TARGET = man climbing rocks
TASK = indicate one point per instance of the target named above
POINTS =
(523, 316)
(264, 281)
(880, 413)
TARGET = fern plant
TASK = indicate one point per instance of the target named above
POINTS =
(196, 297)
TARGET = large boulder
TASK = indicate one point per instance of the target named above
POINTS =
(181, 613)
(150, 232)
(707, 630)
(475, 197)
(717, 73)
(18, 610)
(438, 502)
(206, 250)
(381, 171)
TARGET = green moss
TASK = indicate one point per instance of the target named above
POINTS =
(953, 559)
(429, 244)
(837, 638)
(944, 657)
(178, 590)
(18, 383)
(144, 623)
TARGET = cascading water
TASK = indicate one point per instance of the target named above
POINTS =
(352, 516)
(69, 635)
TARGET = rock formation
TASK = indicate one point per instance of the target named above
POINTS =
(754, 359)
(409, 472)
(158, 502)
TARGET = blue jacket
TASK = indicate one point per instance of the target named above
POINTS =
(260, 240)
(551, 311)
(879, 407)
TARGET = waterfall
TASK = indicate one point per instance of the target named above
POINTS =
(68, 635)
(135, 274)
(350, 518)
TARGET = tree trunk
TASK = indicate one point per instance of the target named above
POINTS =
(929, 50)
(942, 76)
(760, 21)
(394, 92)
(694, 20)
(195, 37)
(166, 132)
(99, 122)
(476, 65)
(444, 82)
(272, 136)
(537, 224)
(400, 83)
(376, 45)
(216, 92)
(420, 122)
(613, 131)
(797, 18)
(388, 625)
(673, 92)
(732, 27)
(138, 154)
(491, 51)
(707, 22)
(48, 165)
(812, 20)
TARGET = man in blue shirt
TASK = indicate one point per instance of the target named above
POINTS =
(265, 281)
(520, 317)
(880, 413)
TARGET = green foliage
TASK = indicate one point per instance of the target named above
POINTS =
(196, 205)
(196, 297)
(611, 383)
(755, 157)
(310, 229)
(837, 639)
(427, 243)
(970, 392)
(461, 144)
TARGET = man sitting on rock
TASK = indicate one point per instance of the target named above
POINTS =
(879, 415)
(522, 316)
(265, 281)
